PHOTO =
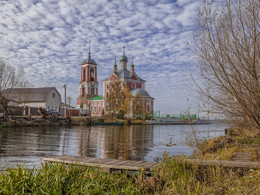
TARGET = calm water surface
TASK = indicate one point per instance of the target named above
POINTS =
(28, 145)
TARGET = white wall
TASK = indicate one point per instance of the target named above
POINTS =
(53, 101)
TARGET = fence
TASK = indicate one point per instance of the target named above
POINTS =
(157, 114)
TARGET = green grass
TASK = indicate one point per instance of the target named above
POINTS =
(173, 177)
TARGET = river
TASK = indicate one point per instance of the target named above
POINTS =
(28, 145)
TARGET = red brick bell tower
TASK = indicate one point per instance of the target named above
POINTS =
(88, 86)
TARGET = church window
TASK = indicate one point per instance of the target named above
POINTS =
(84, 74)
(83, 90)
(107, 86)
(92, 91)
(53, 95)
(92, 74)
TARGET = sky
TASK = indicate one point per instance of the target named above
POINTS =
(49, 40)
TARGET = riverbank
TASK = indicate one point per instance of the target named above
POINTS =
(173, 176)
(235, 146)
(62, 121)
(23, 122)
(68, 121)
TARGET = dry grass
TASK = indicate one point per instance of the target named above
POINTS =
(230, 147)
(173, 176)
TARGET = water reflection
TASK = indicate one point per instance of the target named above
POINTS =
(126, 142)
(28, 145)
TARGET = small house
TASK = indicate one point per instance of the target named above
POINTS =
(45, 97)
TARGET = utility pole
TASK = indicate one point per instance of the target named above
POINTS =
(69, 99)
(65, 99)
(1, 73)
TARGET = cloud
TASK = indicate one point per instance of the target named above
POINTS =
(49, 39)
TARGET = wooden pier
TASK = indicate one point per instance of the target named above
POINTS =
(106, 164)
(132, 165)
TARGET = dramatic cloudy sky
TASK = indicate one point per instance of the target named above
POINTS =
(49, 40)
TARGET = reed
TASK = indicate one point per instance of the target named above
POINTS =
(173, 176)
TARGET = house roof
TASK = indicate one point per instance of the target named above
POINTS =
(29, 94)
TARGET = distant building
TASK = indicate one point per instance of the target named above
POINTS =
(46, 97)
(64, 107)
(88, 87)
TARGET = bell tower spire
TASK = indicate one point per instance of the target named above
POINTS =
(123, 60)
(89, 49)
(88, 86)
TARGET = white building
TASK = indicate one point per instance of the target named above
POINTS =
(46, 97)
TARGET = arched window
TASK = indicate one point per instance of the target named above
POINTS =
(92, 91)
(82, 90)
(92, 74)
(84, 74)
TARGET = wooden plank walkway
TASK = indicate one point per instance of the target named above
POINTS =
(132, 165)
(107, 164)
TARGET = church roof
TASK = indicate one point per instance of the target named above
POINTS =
(143, 93)
(88, 61)
(97, 98)
(124, 74)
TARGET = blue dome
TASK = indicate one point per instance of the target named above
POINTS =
(123, 58)
(88, 61)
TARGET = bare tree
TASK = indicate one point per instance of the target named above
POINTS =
(10, 78)
(228, 48)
